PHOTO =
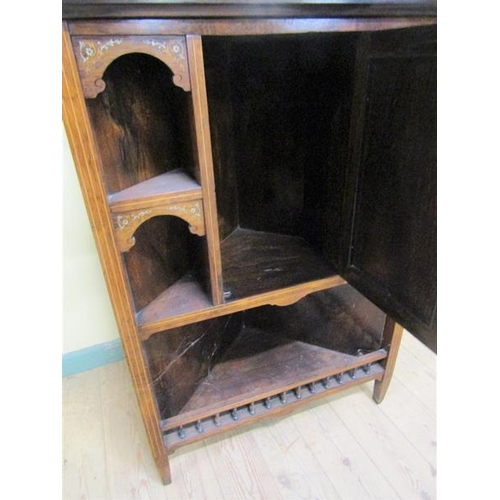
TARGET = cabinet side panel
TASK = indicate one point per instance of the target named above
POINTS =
(179, 359)
(87, 164)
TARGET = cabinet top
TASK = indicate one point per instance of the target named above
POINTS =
(114, 9)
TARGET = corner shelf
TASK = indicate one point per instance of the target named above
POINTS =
(240, 383)
(171, 187)
(173, 193)
(255, 262)
(185, 302)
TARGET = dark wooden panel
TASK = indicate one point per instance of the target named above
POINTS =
(340, 319)
(218, 74)
(393, 255)
(181, 358)
(141, 122)
(290, 96)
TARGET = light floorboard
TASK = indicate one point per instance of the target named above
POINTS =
(341, 447)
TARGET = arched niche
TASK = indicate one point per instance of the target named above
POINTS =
(141, 121)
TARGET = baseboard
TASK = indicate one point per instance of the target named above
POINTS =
(91, 357)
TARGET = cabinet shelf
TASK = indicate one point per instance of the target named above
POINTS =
(185, 302)
(171, 187)
(259, 378)
(173, 193)
(184, 298)
(254, 262)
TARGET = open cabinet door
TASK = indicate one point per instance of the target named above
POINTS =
(392, 183)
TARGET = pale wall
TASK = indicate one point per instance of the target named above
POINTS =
(87, 315)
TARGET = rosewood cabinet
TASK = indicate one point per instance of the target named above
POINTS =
(261, 184)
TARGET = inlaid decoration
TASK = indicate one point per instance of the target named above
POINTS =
(95, 54)
(126, 223)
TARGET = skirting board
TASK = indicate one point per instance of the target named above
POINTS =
(91, 357)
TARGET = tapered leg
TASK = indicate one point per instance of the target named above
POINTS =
(163, 466)
(390, 341)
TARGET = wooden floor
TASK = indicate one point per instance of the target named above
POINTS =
(344, 446)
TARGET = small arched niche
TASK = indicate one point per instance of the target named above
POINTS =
(142, 123)
(165, 252)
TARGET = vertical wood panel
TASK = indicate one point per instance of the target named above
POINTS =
(83, 148)
(205, 162)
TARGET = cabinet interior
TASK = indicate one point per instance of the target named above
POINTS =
(280, 111)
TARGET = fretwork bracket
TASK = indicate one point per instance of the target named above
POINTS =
(126, 223)
(95, 54)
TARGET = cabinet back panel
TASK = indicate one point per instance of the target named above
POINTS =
(340, 319)
(289, 103)
(163, 253)
(142, 122)
(217, 54)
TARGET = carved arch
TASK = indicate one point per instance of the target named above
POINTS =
(95, 54)
(126, 223)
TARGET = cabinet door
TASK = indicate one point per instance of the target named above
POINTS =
(392, 247)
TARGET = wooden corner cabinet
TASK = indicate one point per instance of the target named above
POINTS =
(260, 178)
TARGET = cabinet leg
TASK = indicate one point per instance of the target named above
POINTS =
(163, 466)
(390, 341)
